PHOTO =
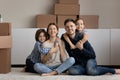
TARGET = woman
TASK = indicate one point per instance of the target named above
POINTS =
(57, 61)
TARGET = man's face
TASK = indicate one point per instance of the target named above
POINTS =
(70, 28)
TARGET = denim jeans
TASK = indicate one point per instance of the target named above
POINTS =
(41, 68)
(29, 66)
(93, 69)
(90, 69)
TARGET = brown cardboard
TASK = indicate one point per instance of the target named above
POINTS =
(91, 21)
(44, 20)
(5, 29)
(5, 41)
(5, 60)
(66, 9)
(61, 19)
(69, 1)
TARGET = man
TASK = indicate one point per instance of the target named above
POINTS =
(85, 62)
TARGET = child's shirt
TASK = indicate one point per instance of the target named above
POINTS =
(41, 49)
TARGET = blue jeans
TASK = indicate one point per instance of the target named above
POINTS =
(41, 68)
(90, 69)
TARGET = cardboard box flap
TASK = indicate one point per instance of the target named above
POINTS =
(5, 41)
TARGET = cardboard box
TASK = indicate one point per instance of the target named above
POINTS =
(5, 29)
(69, 1)
(91, 21)
(66, 9)
(5, 60)
(5, 41)
(61, 19)
(44, 20)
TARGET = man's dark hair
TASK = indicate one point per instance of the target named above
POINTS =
(69, 20)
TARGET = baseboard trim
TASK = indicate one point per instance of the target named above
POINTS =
(111, 66)
(18, 65)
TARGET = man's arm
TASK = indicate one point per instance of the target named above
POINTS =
(86, 49)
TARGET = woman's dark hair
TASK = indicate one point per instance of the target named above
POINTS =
(69, 20)
(49, 26)
(38, 33)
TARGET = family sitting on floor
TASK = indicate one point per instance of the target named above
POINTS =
(50, 53)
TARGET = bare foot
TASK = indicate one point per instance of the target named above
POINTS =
(23, 70)
(49, 74)
(45, 74)
(117, 71)
(108, 73)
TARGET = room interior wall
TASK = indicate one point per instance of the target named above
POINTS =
(22, 13)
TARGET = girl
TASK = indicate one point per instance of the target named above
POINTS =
(36, 55)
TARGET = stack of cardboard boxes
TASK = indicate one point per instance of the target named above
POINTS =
(62, 10)
(91, 21)
(44, 20)
(5, 47)
(66, 9)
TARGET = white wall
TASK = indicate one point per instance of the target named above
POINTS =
(115, 46)
(22, 13)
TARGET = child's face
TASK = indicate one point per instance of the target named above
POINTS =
(80, 25)
(42, 37)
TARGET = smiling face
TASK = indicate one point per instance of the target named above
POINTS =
(42, 37)
(70, 28)
(80, 25)
(52, 30)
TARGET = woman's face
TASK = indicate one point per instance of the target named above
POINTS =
(52, 30)
(42, 37)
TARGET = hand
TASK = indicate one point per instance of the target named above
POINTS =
(79, 45)
(53, 50)
(46, 57)
(72, 46)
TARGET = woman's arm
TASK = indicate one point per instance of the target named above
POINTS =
(48, 55)
(62, 51)
(45, 58)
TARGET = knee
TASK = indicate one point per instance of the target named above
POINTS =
(91, 62)
(36, 66)
(71, 60)
(91, 67)
(73, 71)
(92, 71)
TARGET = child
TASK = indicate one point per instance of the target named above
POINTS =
(80, 29)
(36, 55)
